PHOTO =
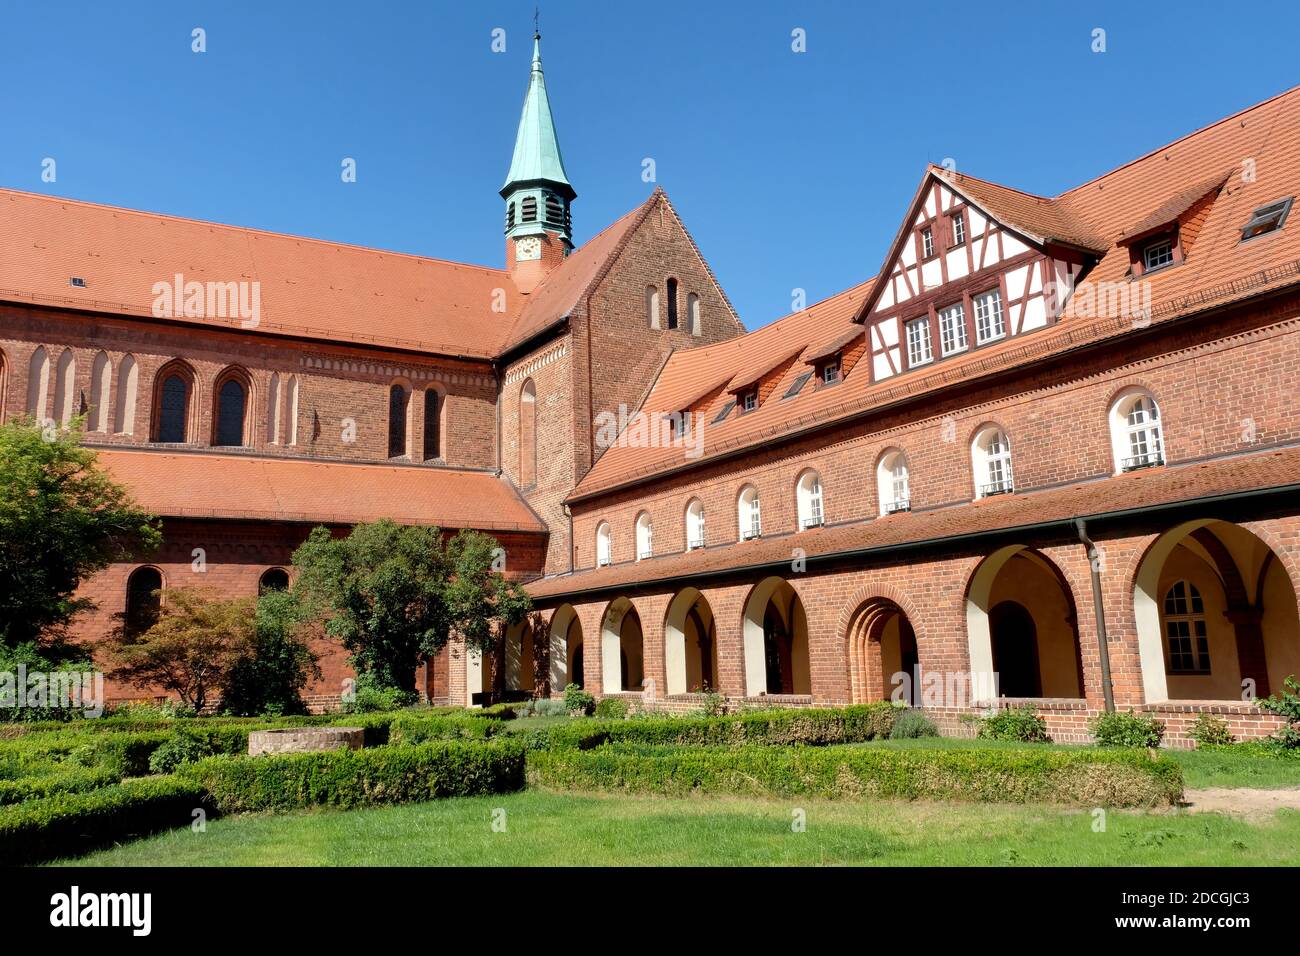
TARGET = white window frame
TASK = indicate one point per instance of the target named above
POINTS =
(990, 319)
(749, 401)
(645, 536)
(958, 228)
(920, 349)
(810, 500)
(893, 483)
(1136, 430)
(749, 513)
(927, 242)
(991, 463)
(604, 545)
(952, 329)
(695, 530)
(1167, 246)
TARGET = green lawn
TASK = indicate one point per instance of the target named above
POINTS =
(559, 829)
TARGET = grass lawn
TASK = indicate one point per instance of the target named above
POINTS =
(559, 829)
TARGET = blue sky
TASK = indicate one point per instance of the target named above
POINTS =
(790, 169)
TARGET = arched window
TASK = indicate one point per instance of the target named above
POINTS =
(143, 600)
(652, 306)
(528, 434)
(604, 546)
(291, 410)
(65, 388)
(991, 461)
(645, 545)
(695, 525)
(693, 313)
(432, 424)
(808, 494)
(38, 383)
(749, 513)
(1135, 433)
(672, 303)
(128, 381)
(172, 404)
(273, 579)
(101, 380)
(399, 401)
(273, 410)
(1189, 644)
(892, 483)
(231, 406)
(528, 209)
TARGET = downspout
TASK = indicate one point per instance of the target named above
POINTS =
(568, 513)
(1099, 611)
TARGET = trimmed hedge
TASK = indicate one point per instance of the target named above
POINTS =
(413, 729)
(72, 780)
(71, 824)
(356, 778)
(1072, 778)
(812, 727)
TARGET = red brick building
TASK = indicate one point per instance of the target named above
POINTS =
(1049, 453)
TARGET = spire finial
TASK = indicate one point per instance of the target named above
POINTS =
(537, 30)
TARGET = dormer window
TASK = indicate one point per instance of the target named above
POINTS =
(724, 411)
(680, 423)
(958, 228)
(1267, 219)
(749, 400)
(831, 371)
(927, 243)
(1158, 254)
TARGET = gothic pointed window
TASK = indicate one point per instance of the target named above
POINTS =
(528, 435)
(399, 401)
(231, 408)
(171, 410)
(143, 600)
(672, 303)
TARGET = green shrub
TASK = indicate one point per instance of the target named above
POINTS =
(1210, 730)
(913, 723)
(579, 702)
(369, 696)
(542, 707)
(180, 748)
(813, 726)
(355, 778)
(611, 708)
(1020, 723)
(68, 780)
(714, 704)
(1126, 730)
(409, 728)
(1286, 704)
(1082, 778)
(72, 823)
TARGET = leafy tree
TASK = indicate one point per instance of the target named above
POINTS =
(394, 595)
(270, 680)
(191, 650)
(61, 520)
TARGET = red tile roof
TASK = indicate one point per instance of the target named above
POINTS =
(1134, 491)
(309, 288)
(179, 484)
(1218, 271)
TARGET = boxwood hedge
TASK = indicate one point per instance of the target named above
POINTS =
(355, 778)
(72, 823)
(812, 727)
(1073, 778)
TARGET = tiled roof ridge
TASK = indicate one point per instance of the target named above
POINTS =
(703, 261)
(251, 230)
(1181, 139)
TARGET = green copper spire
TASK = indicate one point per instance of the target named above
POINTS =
(537, 168)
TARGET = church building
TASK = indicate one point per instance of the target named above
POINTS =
(1048, 454)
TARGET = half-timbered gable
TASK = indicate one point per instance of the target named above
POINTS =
(973, 264)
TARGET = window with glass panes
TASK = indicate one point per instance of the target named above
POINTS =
(952, 329)
(919, 350)
(1189, 644)
(1144, 432)
(989, 322)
